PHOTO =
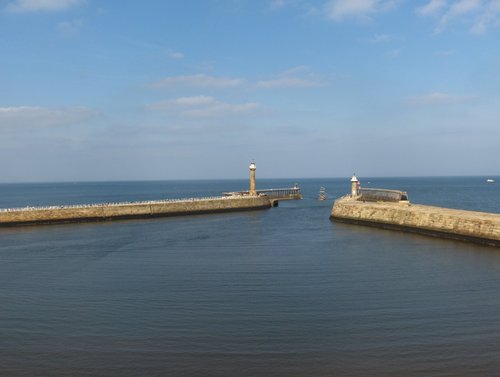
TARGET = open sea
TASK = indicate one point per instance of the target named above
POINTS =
(278, 292)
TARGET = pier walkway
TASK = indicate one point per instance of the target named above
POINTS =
(275, 195)
(129, 210)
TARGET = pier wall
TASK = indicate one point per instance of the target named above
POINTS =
(435, 221)
(102, 212)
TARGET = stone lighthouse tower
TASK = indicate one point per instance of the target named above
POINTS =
(252, 179)
(354, 186)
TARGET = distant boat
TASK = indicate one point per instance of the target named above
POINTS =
(489, 180)
(322, 194)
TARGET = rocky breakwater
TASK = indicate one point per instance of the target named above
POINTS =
(129, 210)
(472, 226)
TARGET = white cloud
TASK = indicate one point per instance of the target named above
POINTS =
(438, 98)
(305, 8)
(432, 7)
(203, 107)
(458, 9)
(464, 6)
(296, 70)
(288, 82)
(176, 55)
(182, 102)
(479, 15)
(33, 116)
(23, 6)
(199, 80)
(341, 9)
(490, 16)
(69, 28)
(220, 109)
(277, 4)
(297, 77)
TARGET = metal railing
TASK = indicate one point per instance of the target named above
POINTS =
(114, 204)
(272, 193)
(280, 192)
(381, 195)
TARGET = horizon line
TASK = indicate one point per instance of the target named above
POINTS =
(244, 179)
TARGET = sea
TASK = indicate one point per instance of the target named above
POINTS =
(277, 292)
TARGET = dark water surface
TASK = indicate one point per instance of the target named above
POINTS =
(279, 292)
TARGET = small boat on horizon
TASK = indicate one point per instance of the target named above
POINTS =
(489, 180)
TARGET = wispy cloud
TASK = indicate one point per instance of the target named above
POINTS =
(297, 77)
(438, 98)
(24, 6)
(69, 28)
(489, 17)
(479, 15)
(288, 82)
(432, 7)
(461, 8)
(277, 4)
(33, 116)
(182, 102)
(380, 38)
(394, 53)
(198, 80)
(203, 107)
(176, 55)
(338, 10)
(304, 7)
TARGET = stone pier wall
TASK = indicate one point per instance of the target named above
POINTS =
(130, 210)
(442, 222)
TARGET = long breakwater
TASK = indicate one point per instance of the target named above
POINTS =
(129, 210)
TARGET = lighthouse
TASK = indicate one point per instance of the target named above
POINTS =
(354, 186)
(252, 179)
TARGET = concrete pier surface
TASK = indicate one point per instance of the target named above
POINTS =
(480, 227)
(130, 210)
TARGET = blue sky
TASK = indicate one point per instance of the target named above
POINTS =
(129, 90)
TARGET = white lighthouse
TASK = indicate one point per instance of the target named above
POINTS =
(252, 179)
(354, 186)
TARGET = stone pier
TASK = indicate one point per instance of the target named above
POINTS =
(116, 211)
(228, 202)
(464, 225)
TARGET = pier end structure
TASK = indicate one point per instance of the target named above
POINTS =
(252, 190)
(354, 186)
(391, 209)
(275, 195)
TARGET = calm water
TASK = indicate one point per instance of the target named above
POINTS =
(279, 292)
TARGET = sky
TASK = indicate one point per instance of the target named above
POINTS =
(94, 90)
